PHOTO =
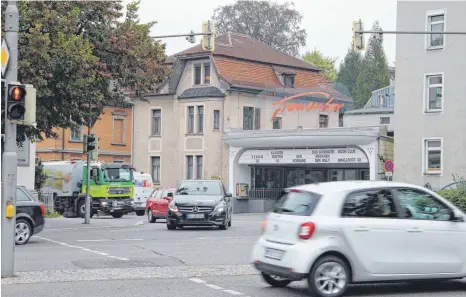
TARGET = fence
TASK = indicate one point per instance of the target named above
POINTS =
(46, 197)
(264, 193)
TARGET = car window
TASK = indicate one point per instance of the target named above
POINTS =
(158, 195)
(420, 205)
(299, 203)
(21, 196)
(164, 193)
(370, 204)
(199, 187)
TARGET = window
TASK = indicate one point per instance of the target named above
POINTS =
(156, 122)
(385, 120)
(77, 134)
(296, 203)
(257, 119)
(199, 164)
(434, 93)
(435, 23)
(190, 167)
(216, 119)
(370, 204)
(200, 119)
(118, 133)
(21, 196)
(197, 74)
(248, 116)
(158, 195)
(190, 119)
(207, 73)
(340, 120)
(433, 156)
(323, 121)
(155, 170)
(288, 80)
(277, 123)
(419, 205)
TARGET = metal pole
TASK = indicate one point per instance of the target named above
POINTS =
(10, 157)
(87, 215)
(411, 32)
(180, 35)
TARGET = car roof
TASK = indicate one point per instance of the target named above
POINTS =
(344, 186)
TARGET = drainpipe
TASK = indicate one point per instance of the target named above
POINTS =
(132, 133)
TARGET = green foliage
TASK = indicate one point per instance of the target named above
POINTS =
(456, 196)
(374, 70)
(278, 25)
(73, 51)
(53, 215)
(326, 64)
(40, 176)
(350, 69)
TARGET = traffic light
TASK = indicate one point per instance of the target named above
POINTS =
(358, 38)
(84, 143)
(16, 102)
(191, 38)
(208, 41)
(90, 142)
(95, 151)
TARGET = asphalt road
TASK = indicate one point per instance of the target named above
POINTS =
(119, 257)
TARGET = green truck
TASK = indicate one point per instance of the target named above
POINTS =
(111, 187)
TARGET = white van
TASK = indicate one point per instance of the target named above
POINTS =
(142, 188)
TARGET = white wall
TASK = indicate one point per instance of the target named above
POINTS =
(26, 175)
(364, 120)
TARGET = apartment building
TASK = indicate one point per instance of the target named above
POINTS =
(113, 128)
(253, 117)
(430, 122)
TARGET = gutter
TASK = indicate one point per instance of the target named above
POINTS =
(132, 134)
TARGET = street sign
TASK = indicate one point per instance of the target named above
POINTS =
(5, 56)
(389, 166)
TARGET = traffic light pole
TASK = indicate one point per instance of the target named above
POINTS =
(10, 157)
(87, 214)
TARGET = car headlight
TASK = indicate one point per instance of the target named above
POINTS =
(219, 207)
(104, 203)
(173, 207)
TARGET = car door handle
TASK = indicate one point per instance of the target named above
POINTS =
(361, 229)
(415, 230)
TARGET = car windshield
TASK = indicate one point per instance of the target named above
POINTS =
(117, 174)
(199, 188)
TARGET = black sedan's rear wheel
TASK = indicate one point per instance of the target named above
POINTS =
(23, 231)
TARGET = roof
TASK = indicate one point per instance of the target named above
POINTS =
(209, 92)
(370, 110)
(344, 186)
(245, 47)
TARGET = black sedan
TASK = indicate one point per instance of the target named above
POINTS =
(200, 203)
(30, 215)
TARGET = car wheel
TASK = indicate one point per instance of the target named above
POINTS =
(150, 216)
(329, 277)
(23, 232)
(171, 227)
(229, 222)
(117, 215)
(139, 213)
(275, 281)
(225, 225)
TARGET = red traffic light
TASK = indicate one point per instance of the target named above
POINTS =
(17, 93)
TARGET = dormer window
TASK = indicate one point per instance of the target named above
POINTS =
(202, 74)
(197, 74)
(288, 80)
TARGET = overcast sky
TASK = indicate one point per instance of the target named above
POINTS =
(327, 22)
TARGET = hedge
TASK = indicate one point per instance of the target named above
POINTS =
(456, 196)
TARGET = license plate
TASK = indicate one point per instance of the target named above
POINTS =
(273, 254)
(194, 216)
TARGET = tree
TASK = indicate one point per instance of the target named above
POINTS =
(40, 178)
(349, 69)
(374, 71)
(326, 64)
(277, 25)
(71, 51)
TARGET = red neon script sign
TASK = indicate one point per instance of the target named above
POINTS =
(283, 105)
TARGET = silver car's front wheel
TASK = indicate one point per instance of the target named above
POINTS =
(329, 277)
(22, 232)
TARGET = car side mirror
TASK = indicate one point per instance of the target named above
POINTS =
(229, 195)
(170, 194)
(456, 216)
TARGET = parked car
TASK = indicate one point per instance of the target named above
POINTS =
(30, 215)
(337, 233)
(142, 189)
(157, 204)
(200, 203)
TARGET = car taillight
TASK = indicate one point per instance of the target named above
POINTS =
(42, 209)
(306, 230)
(263, 225)
(147, 184)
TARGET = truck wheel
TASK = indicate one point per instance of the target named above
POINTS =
(117, 215)
(140, 213)
(81, 211)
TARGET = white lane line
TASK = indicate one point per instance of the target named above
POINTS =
(83, 249)
(93, 240)
(131, 239)
(233, 292)
(196, 280)
(213, 286)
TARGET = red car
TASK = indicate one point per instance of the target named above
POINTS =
(157, 204)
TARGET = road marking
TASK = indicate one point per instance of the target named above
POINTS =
(93, 240)
(233, 292)
(213, 286)
(135, 239)
(196, 280)
(82, 249)
(107, 240)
